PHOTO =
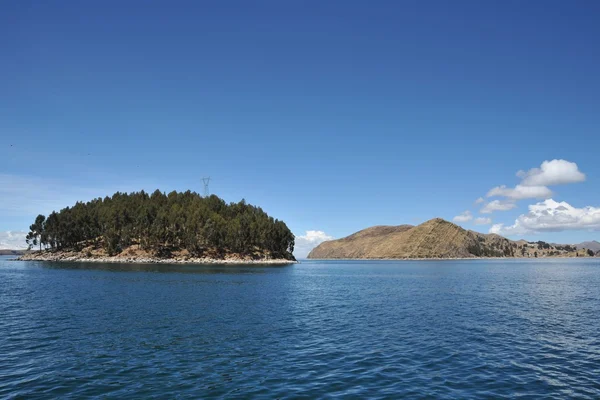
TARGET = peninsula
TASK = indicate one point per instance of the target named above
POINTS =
(9, 252)
(158, 227)
(436, 239)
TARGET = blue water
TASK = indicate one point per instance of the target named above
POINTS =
(443, 329)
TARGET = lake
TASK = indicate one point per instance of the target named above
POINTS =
(347, 329)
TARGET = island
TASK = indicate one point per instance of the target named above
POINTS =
(437, 239)
(178, 227)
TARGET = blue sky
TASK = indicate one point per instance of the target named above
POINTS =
(332, 116)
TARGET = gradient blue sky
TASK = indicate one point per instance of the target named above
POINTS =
(332, 116)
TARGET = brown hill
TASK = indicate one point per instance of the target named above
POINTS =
(435, 238)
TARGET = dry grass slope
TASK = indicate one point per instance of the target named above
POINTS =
(435, 238)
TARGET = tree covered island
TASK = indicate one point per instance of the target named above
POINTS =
(183, 227)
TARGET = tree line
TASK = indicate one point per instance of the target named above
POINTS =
(161, 223)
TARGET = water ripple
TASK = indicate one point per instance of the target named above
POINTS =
(464, 329)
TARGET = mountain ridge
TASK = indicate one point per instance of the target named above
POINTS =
(435, 238)
(593, 245)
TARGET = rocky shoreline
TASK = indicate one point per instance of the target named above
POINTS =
(450, 258)
(75, 257)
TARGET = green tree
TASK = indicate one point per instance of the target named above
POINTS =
(590, 252)
(162, 223)
(37, 234)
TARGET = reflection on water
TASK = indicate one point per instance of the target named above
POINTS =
(169, 268)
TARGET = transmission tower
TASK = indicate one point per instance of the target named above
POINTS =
(206, 182)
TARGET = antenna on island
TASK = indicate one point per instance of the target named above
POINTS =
(206, 181)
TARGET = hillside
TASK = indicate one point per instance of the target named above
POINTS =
(435, 238)
(158, 226)
(592, 245)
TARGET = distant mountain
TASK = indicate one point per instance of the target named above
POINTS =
(4, 252)
(435, 238)
(593, 245)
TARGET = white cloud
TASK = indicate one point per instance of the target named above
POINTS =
(552, 216)
(479, 200)
(12, 240)
(305, 243)
(520, 192)
(555, 172)
(482, 221)
(534, 183)
(496, 228)
(463, 217)
(497, 205)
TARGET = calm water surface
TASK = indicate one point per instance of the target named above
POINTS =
(449, 329)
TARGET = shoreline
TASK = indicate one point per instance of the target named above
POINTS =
(152, 260)
(448, 258)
